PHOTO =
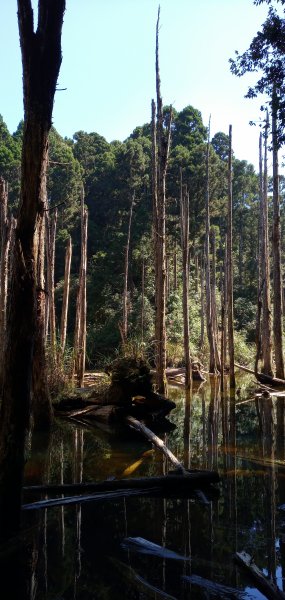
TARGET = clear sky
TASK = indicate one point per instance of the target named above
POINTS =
(108, 65)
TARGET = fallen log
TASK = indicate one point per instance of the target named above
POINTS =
(143, 546)
(154, 439)
(171, 482)
(218, 590)
(138, 583)
(262, 378)
(266, 587)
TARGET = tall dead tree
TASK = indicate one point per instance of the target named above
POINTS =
(214, 317)
(5, 232)
(41, 57)
(126, 275)
(276, 251)
(51, 235)
(230, 301)
(184, 217)
(81, 303)
(160, 155)
(41, 401)
(65, 300)
(266, 338)
(213, 367)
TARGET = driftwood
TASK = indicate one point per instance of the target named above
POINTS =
(172, 482)
(267, 587)
(138, 583)
(217, 589)
(154, 439)
(262, 378)
(142, 546)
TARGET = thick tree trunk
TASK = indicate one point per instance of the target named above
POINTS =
(184, 216)
(65, 300)
(41, 401)
(265, 270)
(276, 251)
(230, 302)
(41, 56)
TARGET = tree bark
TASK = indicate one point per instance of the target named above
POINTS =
(265, 270)
(209, 311)
(41, 402)
(126, 275)
(276, 251)
(160, 152)
(51, 235)
(81, 305)
(6, 225)
(230, 303)
(65, 300)
(41, 57)
(184, 217)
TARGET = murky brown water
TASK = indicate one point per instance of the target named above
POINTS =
(76, 552)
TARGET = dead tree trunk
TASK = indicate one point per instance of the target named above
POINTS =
(126, 276)
(41, 402)
(160, 152)
(230, 302)
(143, 299)
(184, 215)
(202, 313)
(276, 251)
(265, 270)
(51, 234)
(41, 57)
(209, 312)
(214, 317)
(81, 305)
(65, 300)
(6, 232)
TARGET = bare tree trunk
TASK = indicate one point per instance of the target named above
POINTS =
(161, 145)
(276, 251)
(230, 303)
(81, 306)
(143, 300)
(202, 314)
(51, 235)
(6, 233)
(126, 275)
(41, 56)
(65, 300)
(41, 402)
(214, 318)
(184, 215)
(209, 312)
(83, 312)
(175, 267)
(265, 270)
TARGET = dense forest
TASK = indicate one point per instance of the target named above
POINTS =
(112, 175)
(124, 263)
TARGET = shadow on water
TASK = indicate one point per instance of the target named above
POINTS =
(81, 552)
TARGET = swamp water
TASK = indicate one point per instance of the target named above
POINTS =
(81, 552)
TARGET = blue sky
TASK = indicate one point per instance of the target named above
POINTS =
(108, 65)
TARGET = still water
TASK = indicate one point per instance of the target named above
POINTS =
(79, 553)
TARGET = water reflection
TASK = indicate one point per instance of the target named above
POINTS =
(76, 552)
